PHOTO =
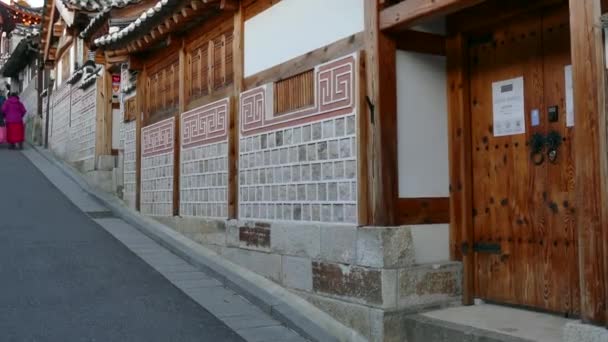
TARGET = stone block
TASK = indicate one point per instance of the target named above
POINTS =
(581, 332)
(355, 284)
(429, 284)
(338, 243)
(106, 163)
(232, 233)
(297, 273)
(296, 239)
(267, 265)
(255, 236)
(385, 247)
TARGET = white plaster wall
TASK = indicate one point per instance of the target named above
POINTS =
(294, 27)
(423, 143)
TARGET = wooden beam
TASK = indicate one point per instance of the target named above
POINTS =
(423, 210)
(422, 42)
(381, 85)
(141, 97)
(229, 5)
(459, 142)
(409, 12)
(233, 133)
(306, 62)
(590, 153)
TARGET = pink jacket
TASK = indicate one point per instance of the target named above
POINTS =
(13, 110)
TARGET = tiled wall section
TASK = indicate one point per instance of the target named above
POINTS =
(157, 168)
(60, 119)
(129, 168)
(301, 166)
(204, 161)
(84, 121)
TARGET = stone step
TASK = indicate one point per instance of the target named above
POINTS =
(484, 322)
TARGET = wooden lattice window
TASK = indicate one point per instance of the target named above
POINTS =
(163, 88)
(130, 110)
(210, 65)
(294, 93)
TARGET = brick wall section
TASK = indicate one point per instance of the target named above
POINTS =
(157, 168)
(129, 168)
(60, 119)
(83, 124)
(204, 161)
(301, 166)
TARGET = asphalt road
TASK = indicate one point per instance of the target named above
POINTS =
(64, 278)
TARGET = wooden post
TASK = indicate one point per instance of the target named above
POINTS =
(139, 121)
(177, 133)
(382, 112)
(591, 175)
(103, 142)
(459, 132)
(233, 134)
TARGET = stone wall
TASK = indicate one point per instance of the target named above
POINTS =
(83, 125)
(29, 97)
(157, 146)
(60, 120)
(129, 164)
(302, 165)
(204, 161)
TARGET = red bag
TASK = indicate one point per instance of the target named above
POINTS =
(2, 134)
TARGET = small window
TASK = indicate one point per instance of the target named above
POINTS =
(294, 93)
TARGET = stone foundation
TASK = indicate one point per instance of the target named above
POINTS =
(365, 277)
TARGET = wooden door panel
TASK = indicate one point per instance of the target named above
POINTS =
(525, 208)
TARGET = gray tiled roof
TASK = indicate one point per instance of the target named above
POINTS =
(96, 5)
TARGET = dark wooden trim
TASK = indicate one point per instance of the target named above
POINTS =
(216, 95)
(363, 127)
(140, 118)
(233, 134)
(407, 13)
(381, 86)
(431, 210)
(461, 188)
(590, 154)
(421, 42)
(306, 62)
(177, 132)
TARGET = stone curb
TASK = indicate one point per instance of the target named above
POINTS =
(286, 307)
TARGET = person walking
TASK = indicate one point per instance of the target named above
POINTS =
(14, 111)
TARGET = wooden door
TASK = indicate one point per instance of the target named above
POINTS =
(524, 230)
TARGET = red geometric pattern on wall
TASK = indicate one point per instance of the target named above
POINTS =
(334, 95)
(206, 124)
(158, 138)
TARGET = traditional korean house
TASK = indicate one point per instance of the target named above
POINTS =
(378, 158)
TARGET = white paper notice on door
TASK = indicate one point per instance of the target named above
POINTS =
(508, 106)
(569, 96)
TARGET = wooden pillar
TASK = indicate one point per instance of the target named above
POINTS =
(381, 103)
(589, 87)
(103, 130)
(177, 132)
(233, 133)
(459, 133)
(139, 122)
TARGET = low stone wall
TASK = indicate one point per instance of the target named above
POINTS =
(366, 277)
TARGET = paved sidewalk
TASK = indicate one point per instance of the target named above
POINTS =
(170, 301)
